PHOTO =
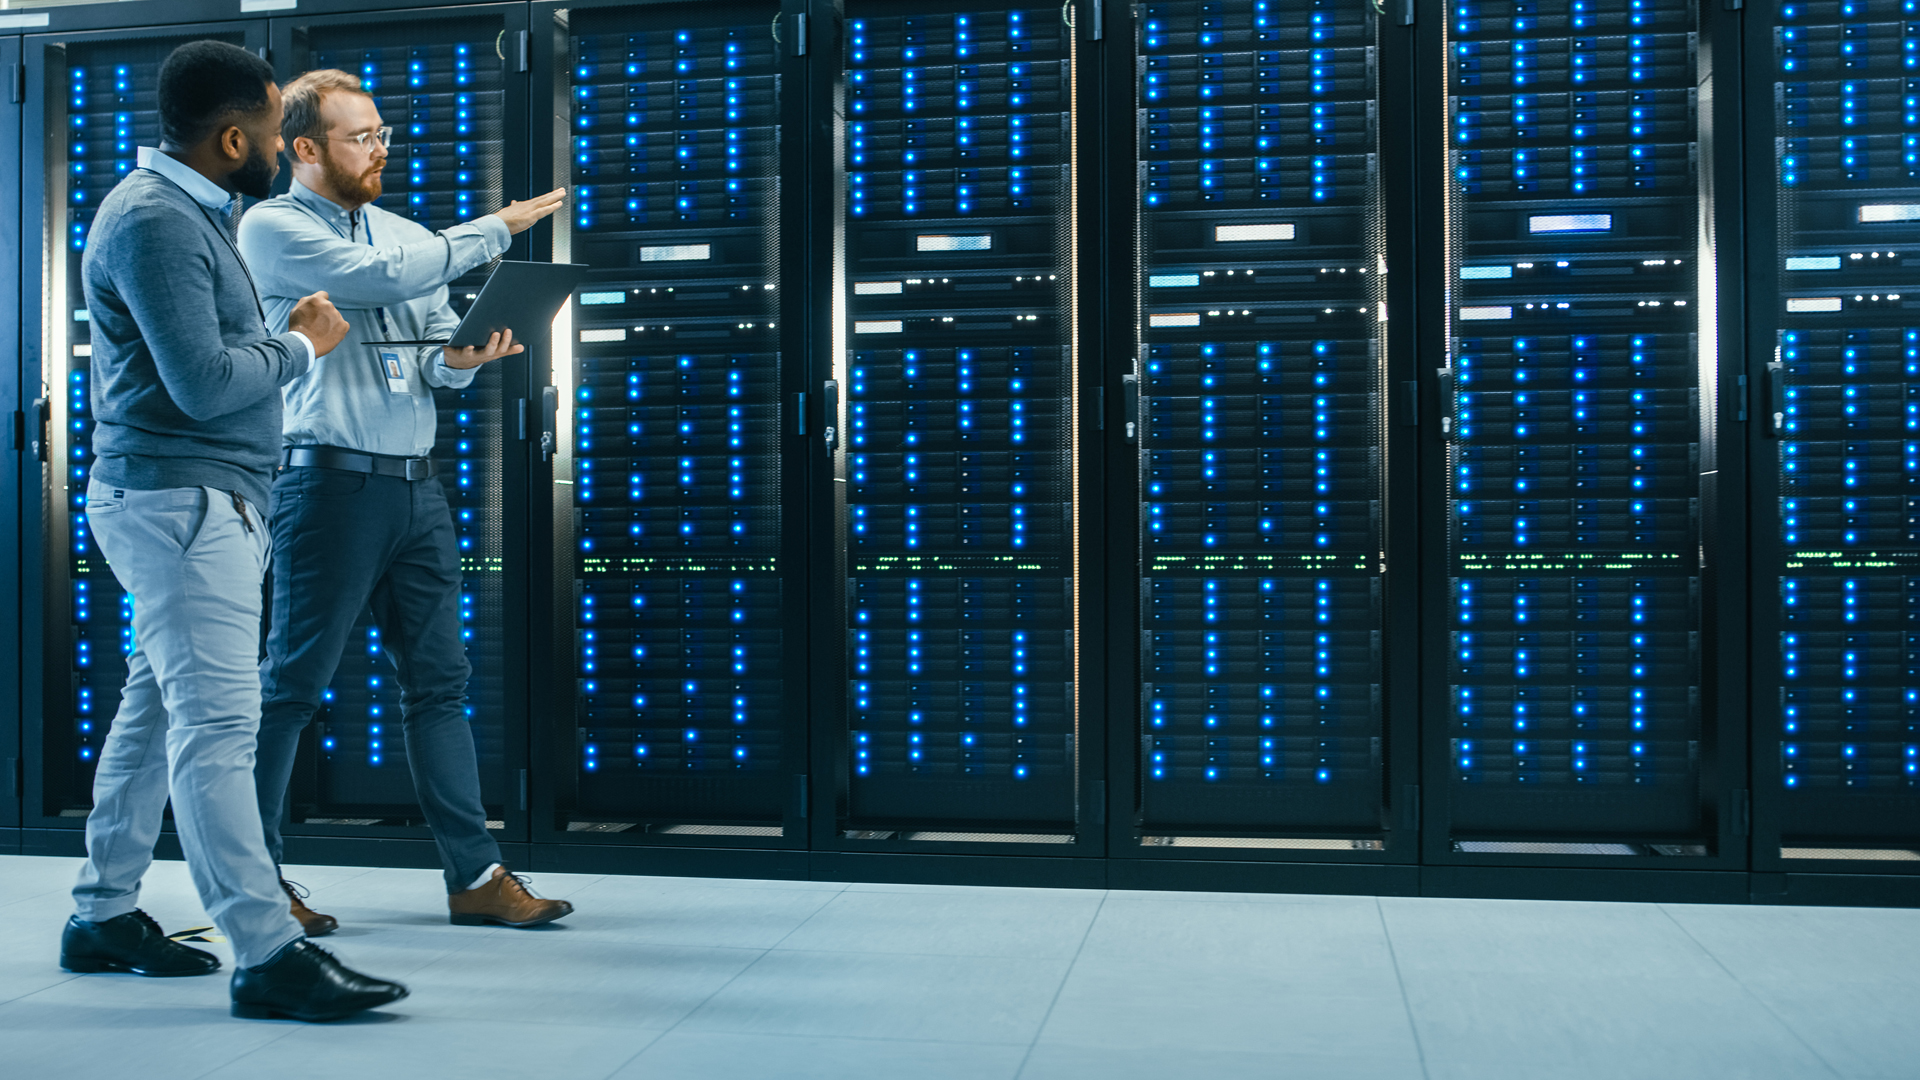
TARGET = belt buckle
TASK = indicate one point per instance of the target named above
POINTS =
(419, 468)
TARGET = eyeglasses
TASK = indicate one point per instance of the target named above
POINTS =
(385, 135)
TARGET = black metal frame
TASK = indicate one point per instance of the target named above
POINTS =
(41, 375)
(12, 482)
(1775, 878)
(285, 52)
(801, 292)
(1723, 597)
(1738, 667)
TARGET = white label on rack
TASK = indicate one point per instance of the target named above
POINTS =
(1813, 303)
(1183, 318)
(23, 22)
(940, 242)
(1873, 212)
(1485, 273)
(1814, 262)
(1540, 223)
(603, 298)
(1472, 314)
(83, 350)
(82, 315)
(878, 326)
(1174, 281)
(617, 334)
(676, 253)
(876, 288)
(248, 7)
(1229, 234)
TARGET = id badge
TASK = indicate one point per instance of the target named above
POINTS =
(396, 375)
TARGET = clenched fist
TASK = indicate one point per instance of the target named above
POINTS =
(316, 317)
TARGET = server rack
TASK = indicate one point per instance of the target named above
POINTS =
(951, 412)
(1263, 434)
(1572, 718)
(452, 82)
(1836, 346)
(11, 478)
(89, 104)
(678, 671)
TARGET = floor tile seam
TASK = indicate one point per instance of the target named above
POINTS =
(1748, 991)
(1060, 988)
(40, 990)
(1406, 1001)
(719, 1030)
(635, 1056)
(291, 1028)
(906, 952)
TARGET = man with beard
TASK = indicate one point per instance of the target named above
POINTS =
(358, 519)
(186, 399)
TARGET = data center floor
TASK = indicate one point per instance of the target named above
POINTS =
(711, 979)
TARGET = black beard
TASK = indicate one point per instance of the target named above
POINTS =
(255, 178)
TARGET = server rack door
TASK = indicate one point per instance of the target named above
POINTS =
(1261, 428)
(678, 507)
(949, 409)
(452, 83)
(1836, 700)
(1579, 352)
(11, 478)
(91, 103)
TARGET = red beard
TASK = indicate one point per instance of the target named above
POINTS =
(358, 188)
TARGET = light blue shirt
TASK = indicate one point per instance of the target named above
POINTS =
(302, 243)
(213, 197)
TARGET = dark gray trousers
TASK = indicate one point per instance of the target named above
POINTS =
(344, 542)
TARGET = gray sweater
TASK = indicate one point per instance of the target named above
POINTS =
(186, 379)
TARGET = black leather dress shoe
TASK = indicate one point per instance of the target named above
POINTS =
(131, 942)
(304, 982)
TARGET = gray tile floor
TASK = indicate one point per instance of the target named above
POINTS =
(665, 978)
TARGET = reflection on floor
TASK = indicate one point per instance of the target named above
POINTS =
(665, 978)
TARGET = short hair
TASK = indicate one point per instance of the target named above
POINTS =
(303, 97)
(203, 84)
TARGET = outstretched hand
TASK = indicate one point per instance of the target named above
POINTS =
(521, 214)
(499, 345)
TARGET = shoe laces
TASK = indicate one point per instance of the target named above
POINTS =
(295, 889)
(521, 882)
(147, 921)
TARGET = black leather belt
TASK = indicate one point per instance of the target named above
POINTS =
(332, 457)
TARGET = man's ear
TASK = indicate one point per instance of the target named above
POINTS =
(233, 143)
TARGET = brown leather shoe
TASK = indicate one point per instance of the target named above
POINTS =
(505, 900)
(311, 921)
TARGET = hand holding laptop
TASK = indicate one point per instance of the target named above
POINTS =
(498, 345)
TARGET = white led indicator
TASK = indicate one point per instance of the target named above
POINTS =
(1552, 223)
(1813, 303)
(676, 253)
(1228, 234)
(1871, 213)
(941, 242)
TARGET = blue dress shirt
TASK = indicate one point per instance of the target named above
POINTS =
(388, 276)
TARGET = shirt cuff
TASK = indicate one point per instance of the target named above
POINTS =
(312, 357)
(498, 236)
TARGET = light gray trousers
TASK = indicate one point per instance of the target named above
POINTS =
(189, 715)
